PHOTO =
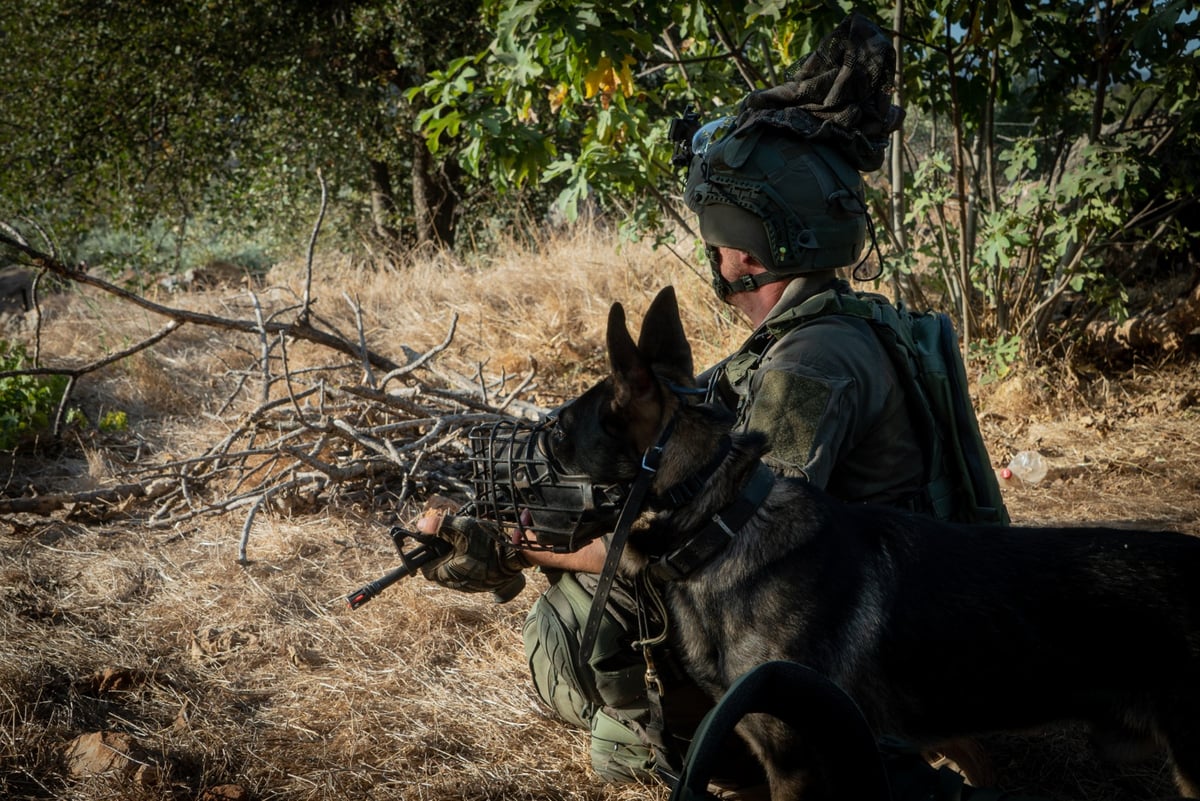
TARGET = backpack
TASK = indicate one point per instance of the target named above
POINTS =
(960, 484)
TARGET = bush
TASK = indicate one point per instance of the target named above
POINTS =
(27, 403)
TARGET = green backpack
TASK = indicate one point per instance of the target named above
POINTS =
(960, 483)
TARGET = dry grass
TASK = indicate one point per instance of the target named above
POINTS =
(258, 676)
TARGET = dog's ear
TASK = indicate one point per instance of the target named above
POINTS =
(662, 341)
(632, 377)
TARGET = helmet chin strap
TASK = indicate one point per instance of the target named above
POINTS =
(745, 283)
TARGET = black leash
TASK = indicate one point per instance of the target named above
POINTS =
(629, 512)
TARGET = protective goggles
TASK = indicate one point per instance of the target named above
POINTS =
(711, 133)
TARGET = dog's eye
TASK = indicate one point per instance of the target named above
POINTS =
(614, 425)
(557, 432)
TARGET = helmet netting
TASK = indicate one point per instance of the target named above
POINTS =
(839, 94)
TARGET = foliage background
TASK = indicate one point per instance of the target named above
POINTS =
(1049, 163)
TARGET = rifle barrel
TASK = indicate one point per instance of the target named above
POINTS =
(428, 551)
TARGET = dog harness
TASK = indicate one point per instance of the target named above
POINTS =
(700, 548)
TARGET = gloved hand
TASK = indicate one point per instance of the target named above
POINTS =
(479, 562)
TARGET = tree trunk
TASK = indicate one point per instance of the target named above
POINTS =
(383, 202)
(959, 157)
(897, 164)
(434, 198)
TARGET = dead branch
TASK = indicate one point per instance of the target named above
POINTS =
(312, 246)
(91, 367)
(356, 307)
(1164, 331)
(300, 329)
(73, 373)
(420, 361)
(264, 348)
(356, 426)
(48, 504)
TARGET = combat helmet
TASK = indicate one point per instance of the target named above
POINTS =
(782, 179)
(796, 205)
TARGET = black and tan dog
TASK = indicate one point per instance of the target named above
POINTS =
(937, 631)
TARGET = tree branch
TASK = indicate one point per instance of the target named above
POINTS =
(312, 245)
(297, 330)
(47, 504)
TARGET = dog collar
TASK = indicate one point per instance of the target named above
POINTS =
(724, 526)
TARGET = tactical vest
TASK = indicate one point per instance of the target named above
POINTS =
(959, 483)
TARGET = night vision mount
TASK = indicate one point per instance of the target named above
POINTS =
(681, 132)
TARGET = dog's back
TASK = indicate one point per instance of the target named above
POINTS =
(940, 631)
(1026, 625)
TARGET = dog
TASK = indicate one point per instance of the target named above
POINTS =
(937, 631)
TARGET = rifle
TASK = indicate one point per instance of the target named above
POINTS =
(429, 549)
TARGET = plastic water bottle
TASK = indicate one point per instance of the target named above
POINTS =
(1029, 466)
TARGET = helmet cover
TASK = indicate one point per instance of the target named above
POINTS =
(796, 206)
(782, 180)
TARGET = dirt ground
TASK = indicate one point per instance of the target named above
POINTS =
(1123, 451)
(143, 663)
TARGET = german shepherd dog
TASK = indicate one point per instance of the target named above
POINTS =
(938, 631)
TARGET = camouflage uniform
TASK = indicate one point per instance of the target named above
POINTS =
(828, 398)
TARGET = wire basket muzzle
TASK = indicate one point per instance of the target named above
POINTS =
(539, 505)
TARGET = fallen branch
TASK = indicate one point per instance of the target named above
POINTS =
(91, 367)
(348, 429)
(74, 373)
(48, 504)
(1166, 331)
(300, 329)
(312, 247)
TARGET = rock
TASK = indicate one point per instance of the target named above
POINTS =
(104, 752)
(225, 792)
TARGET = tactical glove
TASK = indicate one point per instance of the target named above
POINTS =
(479, 562)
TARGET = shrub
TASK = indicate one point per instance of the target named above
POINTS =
(27, 403)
